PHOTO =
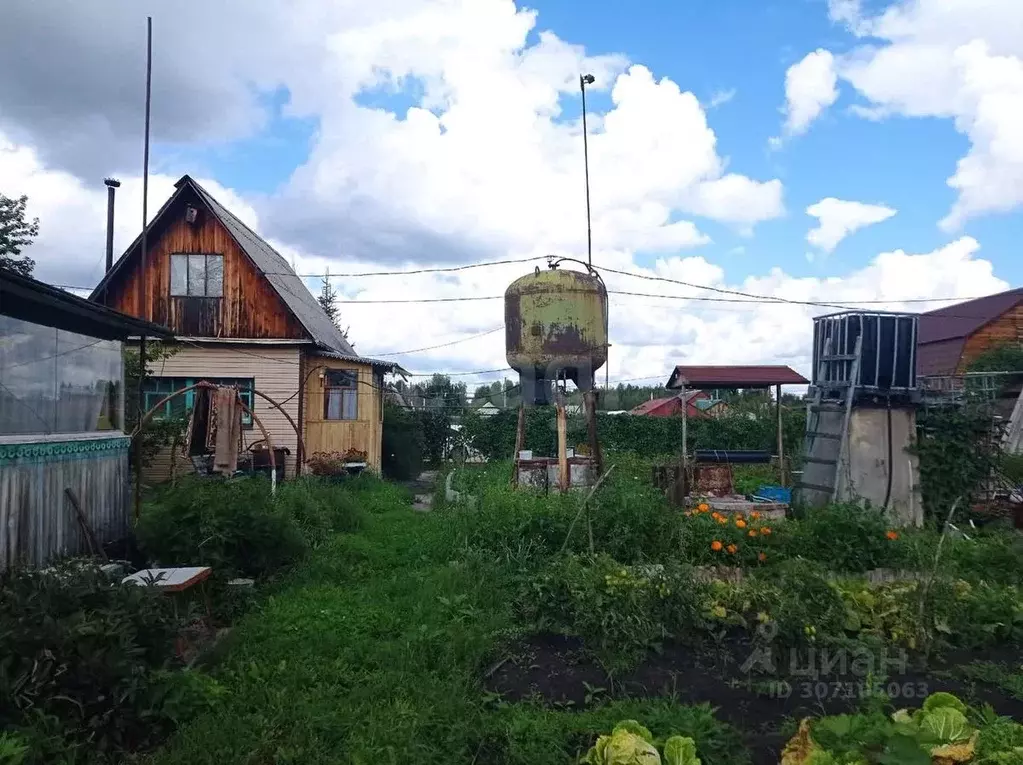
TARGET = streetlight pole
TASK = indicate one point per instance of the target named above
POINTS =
(584, 80)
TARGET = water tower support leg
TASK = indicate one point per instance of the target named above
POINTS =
(562, 445)
(781, 437)
(590, 405)
(520, 442)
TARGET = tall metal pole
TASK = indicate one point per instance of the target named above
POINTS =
(145, 168)
(584, 80)
(141, 312)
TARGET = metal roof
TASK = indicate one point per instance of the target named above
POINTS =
(354, 357)
(28, 299)
(963, 319)
(734, 377)
(270, 263)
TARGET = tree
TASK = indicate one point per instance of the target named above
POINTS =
(16, 232)
(328, 302)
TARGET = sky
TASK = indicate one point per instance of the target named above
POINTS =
(817, 151)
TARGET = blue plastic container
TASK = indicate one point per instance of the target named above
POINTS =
(774, 494)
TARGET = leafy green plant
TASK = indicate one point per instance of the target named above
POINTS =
(632, 744)
(13, 749)
(234, 526)
(618, 610)
(84, 665)
(957, 448)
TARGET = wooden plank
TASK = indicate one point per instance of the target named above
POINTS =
(249, 308)
(90, 535)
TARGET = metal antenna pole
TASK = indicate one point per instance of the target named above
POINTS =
(142, 272)
(145, 166)
(584, 80)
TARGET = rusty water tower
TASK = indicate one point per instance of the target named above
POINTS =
(555, 328)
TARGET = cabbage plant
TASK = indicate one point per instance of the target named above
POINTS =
(632, 744)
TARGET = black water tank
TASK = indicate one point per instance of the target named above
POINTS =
(887, 357)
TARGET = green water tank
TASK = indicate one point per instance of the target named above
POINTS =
(555, 326)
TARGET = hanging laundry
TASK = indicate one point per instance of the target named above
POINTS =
(229, 429)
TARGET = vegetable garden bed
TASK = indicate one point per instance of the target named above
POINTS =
(519, 631)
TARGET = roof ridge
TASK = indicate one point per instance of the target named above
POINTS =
(246, 228)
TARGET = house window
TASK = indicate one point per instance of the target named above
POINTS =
(197, 275)
(158, 388)
(341, 394)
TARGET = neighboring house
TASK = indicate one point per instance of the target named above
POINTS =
(950, 338)
(698, 404)
(243, 317)
(487, 410)
(61, 420)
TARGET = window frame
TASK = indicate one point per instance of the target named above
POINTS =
(187, 258)
(351, 387)
(166, 385)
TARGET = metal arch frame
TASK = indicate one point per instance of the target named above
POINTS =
(266, 435)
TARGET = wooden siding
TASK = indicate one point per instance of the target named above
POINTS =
(365, 433)
(37, 522)
(275, 371)
(1006, 329)
(249, 307)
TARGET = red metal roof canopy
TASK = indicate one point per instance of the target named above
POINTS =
(734, 377)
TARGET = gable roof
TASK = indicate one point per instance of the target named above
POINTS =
(652, 405)
(271, 265)
(963, 319)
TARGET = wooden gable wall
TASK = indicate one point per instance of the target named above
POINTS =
(1007, 329)
(249, 307)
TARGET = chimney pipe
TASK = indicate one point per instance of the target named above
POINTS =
(111, 185)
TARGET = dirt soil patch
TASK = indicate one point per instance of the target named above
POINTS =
(558, 670)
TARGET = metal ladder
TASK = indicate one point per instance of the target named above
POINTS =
(820, 441)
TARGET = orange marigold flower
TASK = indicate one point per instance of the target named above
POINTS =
(715, 515)
(722, 519)
(740, 523)
(893, 535)
(754, 515)
(753, 532)
(703, 507)
(765, 530)
(731, 549)
(716, 546)
(762, 557)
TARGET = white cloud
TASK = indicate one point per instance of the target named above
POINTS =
(959, 60)
(648, 335)
(479, 161)
(720, 98)
(838, 218)
(810, 88)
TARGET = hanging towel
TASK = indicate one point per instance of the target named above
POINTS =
(229, 430)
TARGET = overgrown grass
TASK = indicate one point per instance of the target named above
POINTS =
(373, 651)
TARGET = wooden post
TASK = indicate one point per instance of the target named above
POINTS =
(685, 426)
(562, 445)
(520, 441)
(781, 437)
(590, 406)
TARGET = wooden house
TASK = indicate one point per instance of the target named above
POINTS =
(950, 338)
(63, 449)
(671, 406)
(243, 317)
